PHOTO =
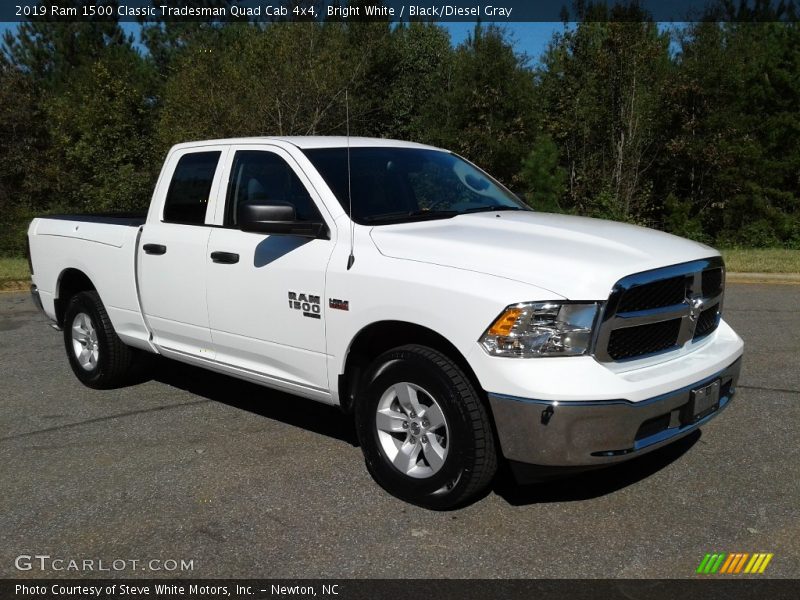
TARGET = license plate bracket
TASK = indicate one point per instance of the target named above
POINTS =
(705, 400)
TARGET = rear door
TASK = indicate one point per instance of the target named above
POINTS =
(265, 292)
(171, 256)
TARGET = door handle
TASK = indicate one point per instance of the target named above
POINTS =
(225, 258)
(154, 249)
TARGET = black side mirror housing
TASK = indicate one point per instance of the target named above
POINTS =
(278, 219)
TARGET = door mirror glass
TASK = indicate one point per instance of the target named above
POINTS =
(278, 218)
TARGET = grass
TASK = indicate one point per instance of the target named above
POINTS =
(14, 272)
(767, 260)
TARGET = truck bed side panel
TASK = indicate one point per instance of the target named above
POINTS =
(109, 233)
(105, 253)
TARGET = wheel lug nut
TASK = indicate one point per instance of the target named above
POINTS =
(405, 424)
(413, 415)
(424, 439)
(412, 439)
(425, 422)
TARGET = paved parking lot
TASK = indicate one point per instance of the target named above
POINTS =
(247, 482)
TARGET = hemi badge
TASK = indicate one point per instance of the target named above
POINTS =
(339, 304)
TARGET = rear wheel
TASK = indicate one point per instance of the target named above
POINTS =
(96, 354)
(424, 431)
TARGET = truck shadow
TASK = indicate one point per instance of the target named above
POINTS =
(594, 483)
(264, 402)
(332, 422)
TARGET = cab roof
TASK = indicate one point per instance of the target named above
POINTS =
(305, 142)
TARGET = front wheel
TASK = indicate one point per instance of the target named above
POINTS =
(424, 431)
(96, 354)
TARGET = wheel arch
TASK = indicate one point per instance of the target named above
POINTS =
(378, 337)
(71, 281)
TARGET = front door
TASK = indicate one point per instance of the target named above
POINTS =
(265, 292)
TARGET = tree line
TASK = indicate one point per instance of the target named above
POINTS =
(692, 129)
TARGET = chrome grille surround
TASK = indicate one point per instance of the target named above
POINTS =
(704, 288)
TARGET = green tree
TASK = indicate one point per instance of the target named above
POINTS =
(542, 178)
(405, 70)
(92, 98)
(734, 150)
(100, 127)
(486, 107)
(21, 126)
(49, 51)
(245, 79)
(43, 66)
(601, 93)
(165, 39)
(694, 129)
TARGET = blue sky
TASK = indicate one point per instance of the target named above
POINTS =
(528, 38)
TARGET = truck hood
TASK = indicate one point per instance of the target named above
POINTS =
(575, 257)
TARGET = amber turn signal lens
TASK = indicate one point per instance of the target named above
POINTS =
(505, 322)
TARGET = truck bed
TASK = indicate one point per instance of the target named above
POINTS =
(103, 248)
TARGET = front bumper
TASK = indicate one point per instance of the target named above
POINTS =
(593, 433)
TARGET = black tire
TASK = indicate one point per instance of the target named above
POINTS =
(114, 359)
(470, 462)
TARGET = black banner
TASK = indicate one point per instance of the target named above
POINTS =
(436, 589)
(497, 11)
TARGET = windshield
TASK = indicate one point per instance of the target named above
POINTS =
(393, 185)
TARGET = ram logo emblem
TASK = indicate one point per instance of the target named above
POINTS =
(695, 308)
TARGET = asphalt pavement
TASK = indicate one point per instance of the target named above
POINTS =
(241, 481)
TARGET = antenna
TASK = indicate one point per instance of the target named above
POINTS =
(350, 259)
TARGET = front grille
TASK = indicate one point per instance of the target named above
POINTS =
(661, 310)
(665, 292)
(643, 339)
(706, 322)
(712, 282)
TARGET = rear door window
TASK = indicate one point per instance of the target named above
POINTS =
(187, 197)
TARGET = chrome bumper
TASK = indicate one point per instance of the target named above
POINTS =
(593, 433)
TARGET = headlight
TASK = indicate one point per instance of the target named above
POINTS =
(534, 329)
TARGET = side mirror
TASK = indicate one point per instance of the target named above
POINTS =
(280, 219)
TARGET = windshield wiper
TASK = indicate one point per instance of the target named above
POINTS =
(491, 208)
(412, 215)
(416, 215)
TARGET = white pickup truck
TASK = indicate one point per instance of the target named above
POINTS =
(407, 286)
